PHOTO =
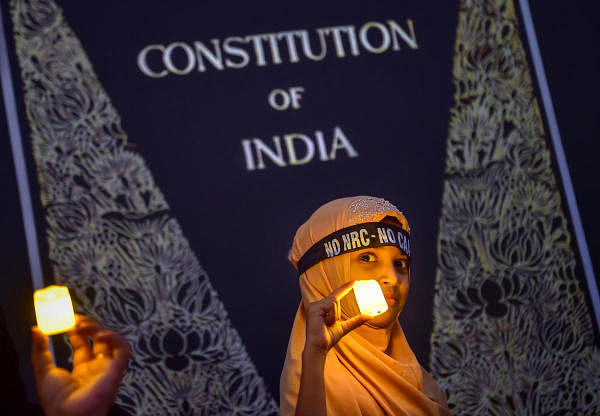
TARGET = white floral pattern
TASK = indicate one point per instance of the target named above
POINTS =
(113, 241)
(512, 332)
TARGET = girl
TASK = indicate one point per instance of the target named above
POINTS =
(340, 362)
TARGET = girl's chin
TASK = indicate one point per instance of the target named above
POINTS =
(385, 320)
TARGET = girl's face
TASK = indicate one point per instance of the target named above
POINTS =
(390, 268)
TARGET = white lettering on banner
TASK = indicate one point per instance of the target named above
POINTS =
(355, 240)
(346, 239)
(336, 247)
(265, 49)
(364, 237)
(256, 150)
(391, 236)
(328, 249)
(358, 239)
(351, 240)
(383, 239)
(403, 243)
(387, 236)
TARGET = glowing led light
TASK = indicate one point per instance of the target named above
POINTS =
(53, 309)
(369, 297)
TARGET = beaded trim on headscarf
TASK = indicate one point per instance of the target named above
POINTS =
(369, 209)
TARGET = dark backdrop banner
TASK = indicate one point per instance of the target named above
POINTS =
(176, 149)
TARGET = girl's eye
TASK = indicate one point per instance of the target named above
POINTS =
(368, 257)
(401, 264)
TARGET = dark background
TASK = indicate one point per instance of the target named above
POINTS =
(567, 35)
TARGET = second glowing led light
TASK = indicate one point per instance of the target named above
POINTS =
(53, 309)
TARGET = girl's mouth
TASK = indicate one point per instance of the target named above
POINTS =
(391, 299)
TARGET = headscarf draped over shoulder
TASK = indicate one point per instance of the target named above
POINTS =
(370, 371)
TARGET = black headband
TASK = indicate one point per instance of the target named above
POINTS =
(356, 237)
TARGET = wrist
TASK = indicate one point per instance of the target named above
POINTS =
(313, 353)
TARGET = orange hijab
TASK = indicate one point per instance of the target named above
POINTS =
(370, 371)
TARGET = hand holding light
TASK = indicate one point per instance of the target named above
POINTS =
(324, 325)
(100, 357)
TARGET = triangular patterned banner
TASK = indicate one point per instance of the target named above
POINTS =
(113, 241)
(512, 332)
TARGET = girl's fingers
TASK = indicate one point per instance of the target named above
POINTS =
(332, 310)
(85, 328)
(41, 358)
(330, 317)
(329, 308)
(343, 290)
(353, 323)
(82, 350)
(112, 345)
(105, 342)
(101, 344)
(84, 320)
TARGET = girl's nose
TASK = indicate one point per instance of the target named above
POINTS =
(389, 276)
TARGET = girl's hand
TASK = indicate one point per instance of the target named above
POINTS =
(324, 326)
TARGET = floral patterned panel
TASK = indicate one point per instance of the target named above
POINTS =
(113, 241)
(512, 332)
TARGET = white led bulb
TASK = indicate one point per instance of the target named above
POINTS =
(369, 297)
(54, 310)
